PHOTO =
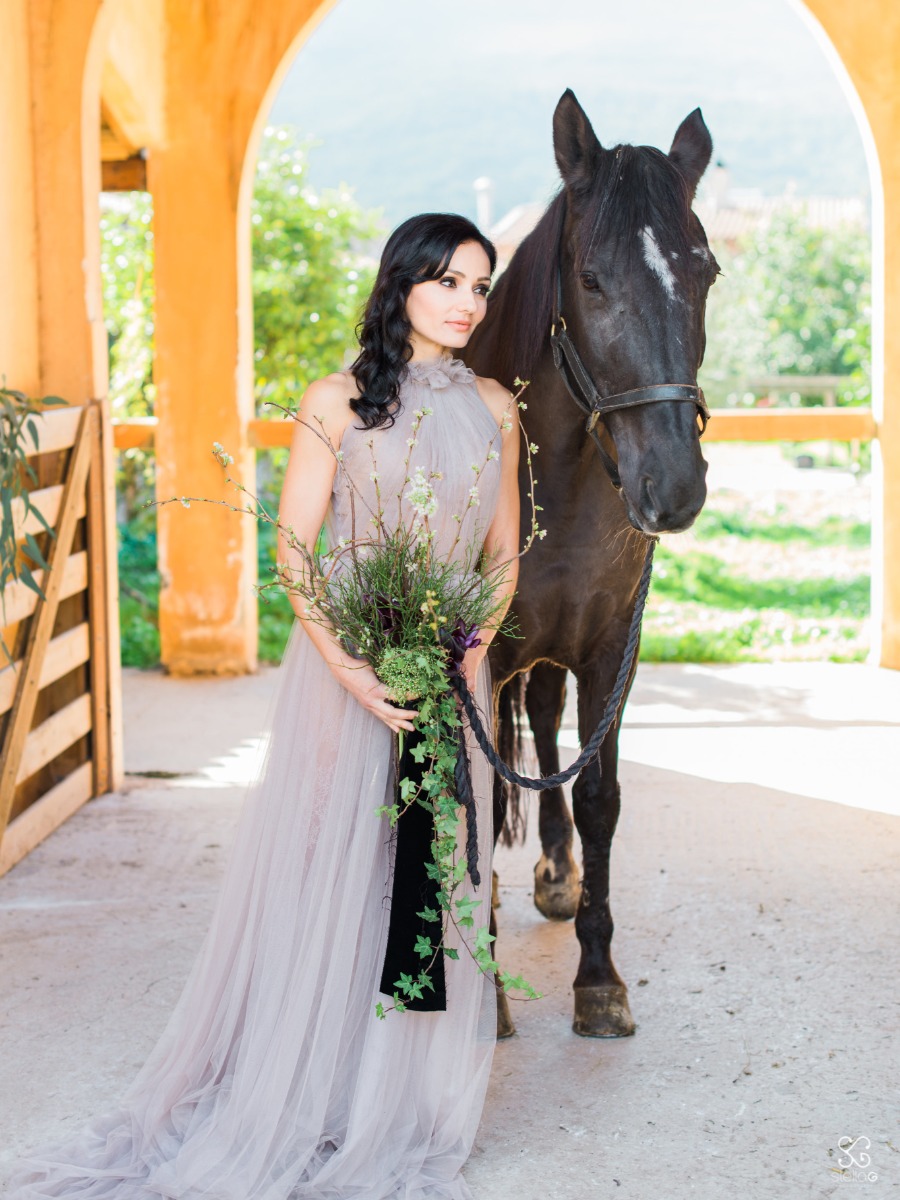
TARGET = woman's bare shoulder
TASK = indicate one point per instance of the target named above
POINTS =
(334, 389)
(329, 399)
(495, 396)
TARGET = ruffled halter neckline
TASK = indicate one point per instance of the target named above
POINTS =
(440, 372)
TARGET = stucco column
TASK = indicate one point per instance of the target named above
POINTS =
(867, 39)
(222, 62)
(207, 554)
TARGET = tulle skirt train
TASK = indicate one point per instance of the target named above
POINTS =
(273, 1079)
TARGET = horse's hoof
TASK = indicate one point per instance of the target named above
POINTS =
(556, 893)
(603, 1011)
(505, 1027)
(495, 890)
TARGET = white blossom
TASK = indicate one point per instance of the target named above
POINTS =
(473, 494)
(493, 454)
(421, 495)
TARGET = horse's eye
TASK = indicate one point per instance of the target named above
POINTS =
(590, 281)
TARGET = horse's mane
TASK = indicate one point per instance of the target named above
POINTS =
(633, 187)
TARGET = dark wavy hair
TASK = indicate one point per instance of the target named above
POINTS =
(418, 250)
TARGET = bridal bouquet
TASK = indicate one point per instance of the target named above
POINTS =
(412, 613)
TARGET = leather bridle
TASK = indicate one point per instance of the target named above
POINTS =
(588, 397)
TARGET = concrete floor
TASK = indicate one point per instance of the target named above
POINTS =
(755, 896)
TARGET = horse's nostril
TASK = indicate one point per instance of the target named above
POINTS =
(649, 503)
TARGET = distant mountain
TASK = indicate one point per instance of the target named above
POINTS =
(413, 101)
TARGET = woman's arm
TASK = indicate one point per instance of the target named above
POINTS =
(308, 483)
(501, 543)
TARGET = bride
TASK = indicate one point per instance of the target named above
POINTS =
(273, 1078)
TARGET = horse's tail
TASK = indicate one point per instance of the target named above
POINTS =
(510, 722)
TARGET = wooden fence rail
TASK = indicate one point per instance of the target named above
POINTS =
(727, 425)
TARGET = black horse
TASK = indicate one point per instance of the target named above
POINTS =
(620, 266)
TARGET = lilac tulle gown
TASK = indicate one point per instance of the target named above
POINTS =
(274, 1079)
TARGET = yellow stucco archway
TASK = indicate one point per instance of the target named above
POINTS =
(189, 83)
(871, 84)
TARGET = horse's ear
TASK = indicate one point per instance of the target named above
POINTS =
(691, 149)
(575, 144)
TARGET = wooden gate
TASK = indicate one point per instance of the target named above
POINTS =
(60, 700)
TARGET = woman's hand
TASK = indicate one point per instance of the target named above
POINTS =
(360, 680)
(472, 660)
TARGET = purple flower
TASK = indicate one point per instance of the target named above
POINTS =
(457, 641)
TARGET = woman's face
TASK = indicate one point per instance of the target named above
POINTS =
(443, 312)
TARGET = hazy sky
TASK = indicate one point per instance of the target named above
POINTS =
(413, 100)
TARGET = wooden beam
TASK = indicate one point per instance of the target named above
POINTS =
(47, 501)
(125, 174)
(66, 652)
(791, 425)
(55, 735)
(56, 428)
(726, 425)
(43, 816)
(106, 466)
(265, 435)
(98, 610)
(135, 433)
(21, 601)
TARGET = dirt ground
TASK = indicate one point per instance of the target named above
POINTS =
(754, 889)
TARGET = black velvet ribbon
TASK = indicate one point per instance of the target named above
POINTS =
(412, 892)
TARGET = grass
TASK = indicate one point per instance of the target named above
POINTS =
(705, 579)
(832, 531)
(763, 582)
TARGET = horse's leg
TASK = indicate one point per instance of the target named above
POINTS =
(556, 887)
(601, 997)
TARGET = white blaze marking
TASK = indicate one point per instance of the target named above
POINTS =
(701, 252)
(656, 261)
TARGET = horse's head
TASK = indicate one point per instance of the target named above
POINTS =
(636, 269)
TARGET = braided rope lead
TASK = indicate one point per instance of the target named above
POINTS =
(613, 704)
(466, 797)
